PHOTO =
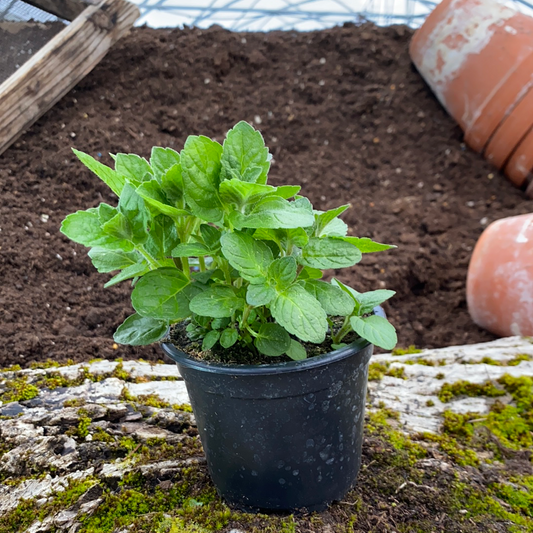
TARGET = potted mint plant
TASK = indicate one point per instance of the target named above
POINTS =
(226, 271)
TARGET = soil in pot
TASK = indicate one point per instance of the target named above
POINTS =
(346, 116)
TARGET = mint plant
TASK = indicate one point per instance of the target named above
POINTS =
(205, 240)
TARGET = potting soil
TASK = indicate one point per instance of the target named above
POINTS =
(345, 115)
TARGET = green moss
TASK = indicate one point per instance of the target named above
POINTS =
(405, 351)
(376, 371)
(185, 407)
(74, 402)
(18, 390)
(82, 429)
(100, 435)
(440, 375)
(12, 368)
(518, 359)
(430, 403)
(44, 364)
(464, 388)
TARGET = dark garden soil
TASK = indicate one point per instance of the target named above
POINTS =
(345, 115)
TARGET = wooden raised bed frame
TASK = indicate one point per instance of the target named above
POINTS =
(61, 63)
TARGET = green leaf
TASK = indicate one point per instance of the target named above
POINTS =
(155, 294)
(211, 236)
(287, 191)
(111, 178)
(260, 294)
(354, 295)
(136, 169)
(367, 245)
(329, 252)
(371, 299)
(240, 193)
(244, 149)
(200, 164)
(336, 228)
(284, 238)
(131, 205)
(216, 302)
(191, 249)
(210, 339)
(85, 228)
(106, 213)
(272, 340)
(132, 271)
(300, 314)
(162, 238)
(162, 159)
(250, 257)
(296, 351)
(138, 330)
(273, 212)
(220, 323)
(375, 329)
(172, 186)
(118, 227)
(229, 337)
(152, 193)
(184, 298)
(109, 260)
(283, 272)
(322, 219)
(310, 273)
(332, 299)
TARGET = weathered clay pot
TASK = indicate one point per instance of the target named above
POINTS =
(521, 162)
(476, 55)
(499, 286)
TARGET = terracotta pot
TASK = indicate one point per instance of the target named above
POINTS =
(499, 286)
(511, 132)
(476, 56)
(521, 163)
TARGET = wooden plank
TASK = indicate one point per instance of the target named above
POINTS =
(60, 65)
(65, 9)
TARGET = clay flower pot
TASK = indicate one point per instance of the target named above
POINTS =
(476, 55)
(521, 162)
(499, 286)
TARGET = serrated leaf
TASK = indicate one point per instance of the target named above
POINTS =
(106, 213)
(118, 227)
(132, 206)
(354, 295)
(329, 252)
(172, 186)
(138, 269)
(261, 294)
(371, 299)
(111, 178)
(162, 159)
(211, 236)
(300, 314)
(296, 351)
(272, 340)
(200, 165)
(155, 293)
(282, 272)
(284, 238)
(250, 257)
(162, 238)
(240, 193)
(136, 169)
(210, 339)
(153, 194)
(336, 228)
(273, 212)
(332, 299)
(367, 245)
(376, 330)
(287, 191)
(323, 218)
(191, 249)
(109, 260)
(137, 330)
(228, 337)
(244, 149)
(216, 302)
(310, 273)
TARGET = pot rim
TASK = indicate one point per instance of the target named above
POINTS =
(181, 358)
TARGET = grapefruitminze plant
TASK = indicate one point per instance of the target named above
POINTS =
(205, 239)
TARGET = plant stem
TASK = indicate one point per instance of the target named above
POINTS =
(202, 264)
(151, 260)
(346, 327)
(245, 315)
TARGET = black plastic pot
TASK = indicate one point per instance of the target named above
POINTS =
(284, 436)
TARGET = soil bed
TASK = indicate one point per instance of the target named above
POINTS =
(345, 115)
